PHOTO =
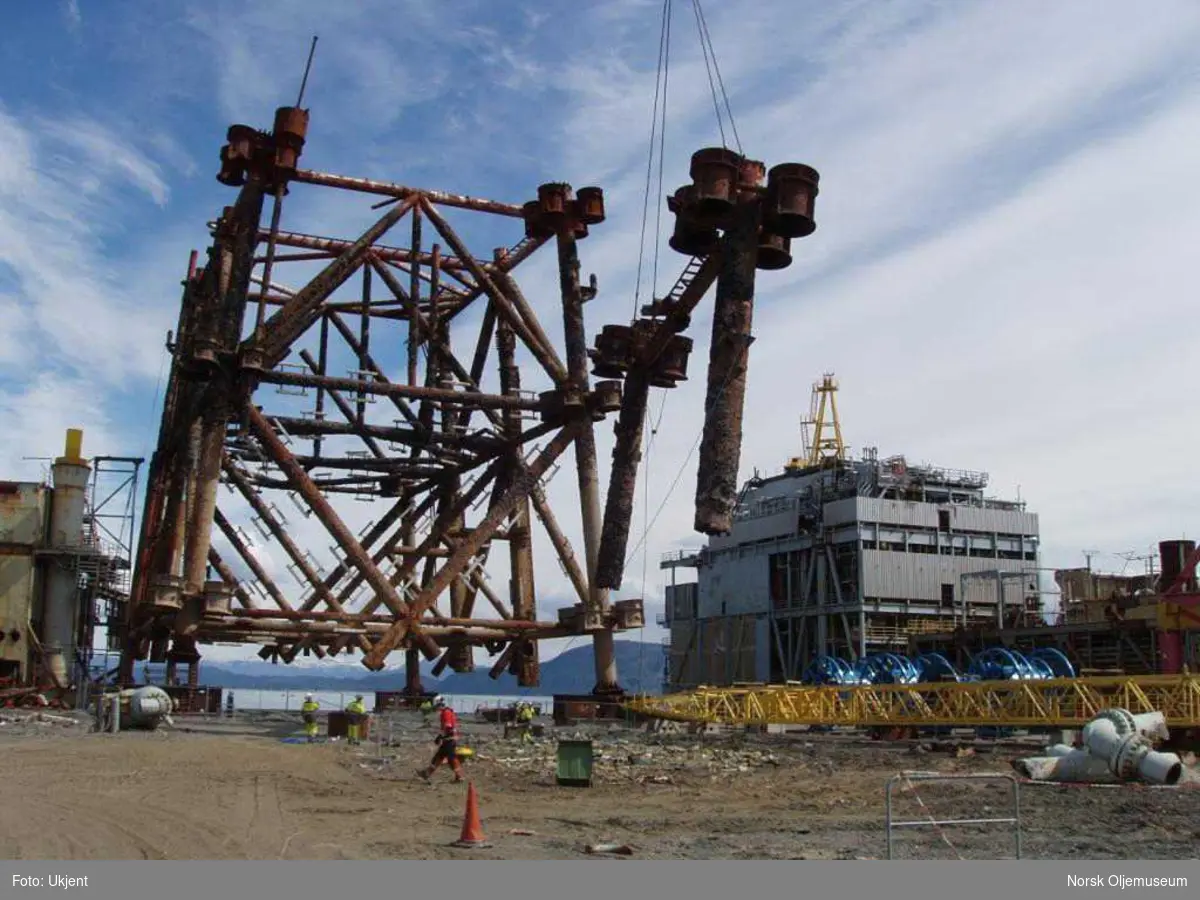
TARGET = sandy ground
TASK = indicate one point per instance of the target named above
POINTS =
(233, 789)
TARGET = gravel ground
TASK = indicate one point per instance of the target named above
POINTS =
(237, 788)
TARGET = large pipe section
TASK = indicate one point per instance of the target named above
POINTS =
(60, 613)
(1065, 764)
(1117, 746)
(587, 473)
(141, 708)
(724, 402)
(1114, 737)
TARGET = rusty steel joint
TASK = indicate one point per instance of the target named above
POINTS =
(559, 208)
(270, 157)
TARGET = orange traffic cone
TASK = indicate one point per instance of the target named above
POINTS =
(472, 830)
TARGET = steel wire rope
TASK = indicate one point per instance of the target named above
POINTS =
(712, 68)
(706, 41)
(658, 127)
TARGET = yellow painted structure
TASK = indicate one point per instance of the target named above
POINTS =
(825, 445)
(73, 451)
(1177, 616)
(1064, 702)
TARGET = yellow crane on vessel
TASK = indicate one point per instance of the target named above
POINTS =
(824, 445)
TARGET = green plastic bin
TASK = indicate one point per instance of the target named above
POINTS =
(575, 760)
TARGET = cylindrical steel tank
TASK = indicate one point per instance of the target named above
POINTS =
(145, 707)
(1173, 555)
(149, 706)
(60, 613)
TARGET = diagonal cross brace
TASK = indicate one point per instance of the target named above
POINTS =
(480, 535)
(295, 317)
(544, 355)
(279, 533)
(337, 528)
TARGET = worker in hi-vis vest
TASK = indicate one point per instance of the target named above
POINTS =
(447, 742)
(356, 714)
(308, 711)
(525, 722)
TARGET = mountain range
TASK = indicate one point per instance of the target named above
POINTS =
(639, 667)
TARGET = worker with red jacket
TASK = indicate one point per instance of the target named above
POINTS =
(447, 741)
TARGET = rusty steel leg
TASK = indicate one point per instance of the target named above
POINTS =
(208, 479)
(622, 482)
(462, 598)
(585, 450)
(414, 293)
(412, 673)
(183, 492)
(167, 544)
(523, 661)
(721, 444)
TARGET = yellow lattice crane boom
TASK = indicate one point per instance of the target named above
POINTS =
(1062, 703)
(824, 444)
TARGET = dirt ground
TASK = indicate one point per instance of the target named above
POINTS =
(236, 789)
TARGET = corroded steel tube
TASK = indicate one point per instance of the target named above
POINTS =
(721, 444)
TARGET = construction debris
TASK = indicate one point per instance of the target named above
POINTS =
(620, 760)
(22, 721)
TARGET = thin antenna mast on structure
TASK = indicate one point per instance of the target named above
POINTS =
(307, 68)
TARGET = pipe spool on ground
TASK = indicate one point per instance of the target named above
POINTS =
(145, 707)
(1128, 753)
(1117, 747)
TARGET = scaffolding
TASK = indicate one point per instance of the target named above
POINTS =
(105, 565)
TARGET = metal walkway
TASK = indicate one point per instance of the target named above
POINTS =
(1050, 703)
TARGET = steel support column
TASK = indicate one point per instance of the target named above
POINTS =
(721, 444)
(575, 339)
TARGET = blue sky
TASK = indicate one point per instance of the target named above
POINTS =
(999, 278)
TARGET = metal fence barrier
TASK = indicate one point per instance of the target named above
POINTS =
(931, 822)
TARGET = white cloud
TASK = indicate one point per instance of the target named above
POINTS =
(73, 14)
(62, 204)
(978, 341)
(37, 417)
(998, 278)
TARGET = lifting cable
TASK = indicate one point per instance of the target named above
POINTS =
(719, 97)
(659, 114)
(710, 65)
(658, 130)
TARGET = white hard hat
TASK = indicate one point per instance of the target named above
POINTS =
(439, 700)
(308, 696)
